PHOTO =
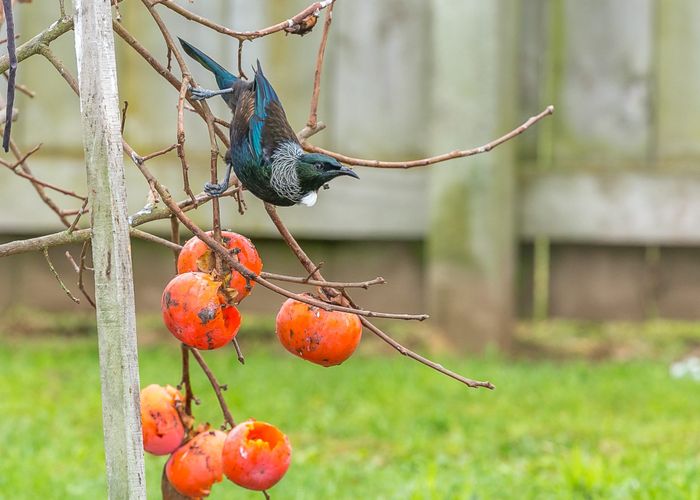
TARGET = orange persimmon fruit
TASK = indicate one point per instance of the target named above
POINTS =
(256, 455)
(197, 256)
(323, 337)
(163, 430)
(196, 311)
(196, 465)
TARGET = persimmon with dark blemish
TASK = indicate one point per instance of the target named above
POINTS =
(163, 430)
(197, 313)
(197, 465)
(256, 455)
(323, 337)
(197, 256)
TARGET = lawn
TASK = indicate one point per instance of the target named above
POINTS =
(377, 426)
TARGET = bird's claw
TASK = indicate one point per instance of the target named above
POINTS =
(200, 93)
(215, 189)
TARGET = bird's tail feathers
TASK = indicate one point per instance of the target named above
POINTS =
(224, 78)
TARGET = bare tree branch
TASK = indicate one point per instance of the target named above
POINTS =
(433, 159)
(290, 23)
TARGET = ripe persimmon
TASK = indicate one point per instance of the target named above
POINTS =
(323, 337)
(196, 311)
(196, 465)
(256, 455)
(197, 256)
(163, 430)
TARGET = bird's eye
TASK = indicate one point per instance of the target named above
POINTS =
(317, 165)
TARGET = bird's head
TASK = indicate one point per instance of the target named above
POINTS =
(316, 169)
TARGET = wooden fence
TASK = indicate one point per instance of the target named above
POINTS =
(593, 213)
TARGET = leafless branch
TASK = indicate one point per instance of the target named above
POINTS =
(185, 380)
(58, 278)
(434, 159)
(296, 20)
(215, 385)
(82, 210)
(313, 112)
(331, 284)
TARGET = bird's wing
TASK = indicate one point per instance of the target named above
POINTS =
(268, 126)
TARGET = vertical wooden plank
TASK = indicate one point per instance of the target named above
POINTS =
(379, 84)
(599, 283)
(114, 292)
(604, 99)
(471, 242)
(677, 290)
(678, 81)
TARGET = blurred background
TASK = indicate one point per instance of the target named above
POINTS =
(579, 239)
(592, 214)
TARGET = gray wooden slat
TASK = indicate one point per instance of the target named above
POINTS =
(678, 75)
(604, 85)
(471, 240)
(627, 207)
(379, 94)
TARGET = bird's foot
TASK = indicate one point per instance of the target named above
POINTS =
(213, 189)
(200, 93)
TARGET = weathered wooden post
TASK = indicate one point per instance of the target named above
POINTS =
(471, 240)
(114, 293)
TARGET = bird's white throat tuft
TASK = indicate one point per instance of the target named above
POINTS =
(309, 199)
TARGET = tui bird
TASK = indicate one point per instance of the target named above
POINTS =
(265, 152)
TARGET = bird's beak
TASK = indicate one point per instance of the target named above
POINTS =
(347, 171)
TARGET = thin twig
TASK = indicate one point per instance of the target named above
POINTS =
(331, 284)
(215, 385)
(239, 353)
(240, 60)
(435, 366)
(124, 109)
(22, 88)
(313, 112)
(58, 278)
(72, 261)
(175, 238)
(4, 40)
(12, 56)
(81, 272)
(313, 272)
(160, 152)
(82, 210)
(185, 380)
(143, 235)
(246, 35)
(434, 159)
(181, 135)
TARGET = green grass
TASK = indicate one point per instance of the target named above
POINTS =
(376, 427)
